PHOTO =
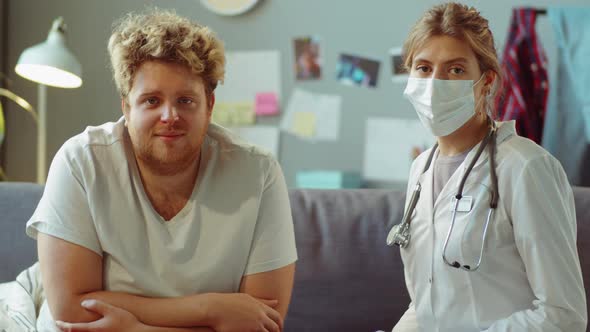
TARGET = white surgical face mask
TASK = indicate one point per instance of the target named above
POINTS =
(443, 106)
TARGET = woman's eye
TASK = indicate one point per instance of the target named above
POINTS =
(423, 69)
(457, 71)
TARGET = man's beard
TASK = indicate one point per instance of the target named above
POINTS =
(166, 161)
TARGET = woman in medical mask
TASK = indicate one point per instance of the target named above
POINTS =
(526, 275)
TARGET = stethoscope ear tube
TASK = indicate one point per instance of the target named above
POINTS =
(493, 175)
(400, 233)
(482, 146)
(490, 142)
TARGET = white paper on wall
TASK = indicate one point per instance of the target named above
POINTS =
(249, 73)
(327, 110)
(390, 147)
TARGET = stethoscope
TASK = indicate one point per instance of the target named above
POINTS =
(400, 233)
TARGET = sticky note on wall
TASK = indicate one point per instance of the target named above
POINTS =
(266, 104)
(325, 118)
(304, 124)
(234, 114)
(244, 114)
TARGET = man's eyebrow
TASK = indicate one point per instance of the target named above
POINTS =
(148, 93)
(188, 92)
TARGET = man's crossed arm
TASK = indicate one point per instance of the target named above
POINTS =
(72, 274)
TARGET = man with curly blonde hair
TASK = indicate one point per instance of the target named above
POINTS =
(163, 221)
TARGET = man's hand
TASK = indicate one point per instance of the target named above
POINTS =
(113, 319)
(243, 313)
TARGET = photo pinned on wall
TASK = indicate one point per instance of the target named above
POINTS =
(308, 63)
(355, 70)
(398, 70)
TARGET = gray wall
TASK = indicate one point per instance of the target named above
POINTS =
(367, 28)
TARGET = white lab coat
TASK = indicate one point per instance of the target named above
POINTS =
(530, 277)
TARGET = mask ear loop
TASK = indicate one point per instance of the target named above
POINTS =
(479, 80)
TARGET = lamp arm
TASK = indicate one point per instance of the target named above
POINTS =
(20, 101)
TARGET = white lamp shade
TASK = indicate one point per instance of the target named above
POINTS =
(51, 62)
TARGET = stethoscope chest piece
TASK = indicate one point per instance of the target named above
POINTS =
(399, 235)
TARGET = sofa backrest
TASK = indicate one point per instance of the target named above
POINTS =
(17, 250)
(346, 278)
(582, 198)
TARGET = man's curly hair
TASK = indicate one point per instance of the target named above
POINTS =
(163, 35)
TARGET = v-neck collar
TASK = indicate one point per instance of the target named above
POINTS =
(140, 188)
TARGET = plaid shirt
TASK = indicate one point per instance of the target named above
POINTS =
(525, 89)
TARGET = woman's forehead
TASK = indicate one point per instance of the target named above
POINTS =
(442, 49)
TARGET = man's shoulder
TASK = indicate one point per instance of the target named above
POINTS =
(230, 144)
(237, 161)
(102, 135)
(92, 140)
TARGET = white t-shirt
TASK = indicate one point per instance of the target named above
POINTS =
(237, 221)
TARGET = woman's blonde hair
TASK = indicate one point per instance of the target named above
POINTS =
(464, 23)
(164, 36)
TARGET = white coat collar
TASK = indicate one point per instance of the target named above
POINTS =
(506, 129)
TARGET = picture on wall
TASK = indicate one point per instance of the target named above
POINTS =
(359, 71)
(398, 70)
(307, 58)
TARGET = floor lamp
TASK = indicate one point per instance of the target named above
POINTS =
(49, 63)
(22, 103)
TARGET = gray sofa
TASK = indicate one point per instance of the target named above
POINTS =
(347, 279)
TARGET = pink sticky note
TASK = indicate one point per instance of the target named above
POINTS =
(266, 103)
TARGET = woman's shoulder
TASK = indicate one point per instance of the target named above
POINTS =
(517, 150)
(517, 155)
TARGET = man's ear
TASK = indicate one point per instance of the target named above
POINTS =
(125, 110)
(211, 103)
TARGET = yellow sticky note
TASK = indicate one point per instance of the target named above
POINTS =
(304, 124)
(221, 114)
(244, 114)
(234, 114)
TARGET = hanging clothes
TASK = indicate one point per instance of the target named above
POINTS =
(567, 128)
(524, 70)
